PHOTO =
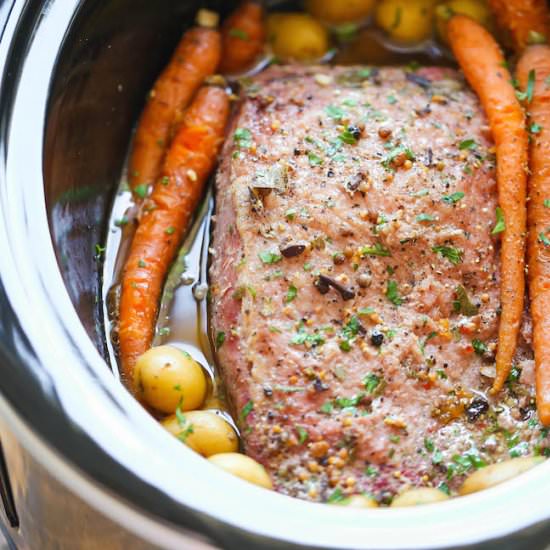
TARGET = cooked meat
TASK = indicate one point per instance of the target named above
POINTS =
(355, 283)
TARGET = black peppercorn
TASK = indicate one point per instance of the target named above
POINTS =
(376, 338)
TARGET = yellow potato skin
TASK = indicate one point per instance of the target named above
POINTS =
(297, 36)
(475, 9)
(497, 473)
(204, 431)
(359, 501)
(244, 467)
(167, 378)
(417, 497)
(340, 11)
(407, 21)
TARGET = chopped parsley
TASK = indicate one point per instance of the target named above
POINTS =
(270, 258)
(462, 304)
(336, 496)
(546, 203)
(170, 230)
(220, 339)
(453, 198)
(392, 293)
(349, 332)
(454, 255)
(239, 33)
(335, 112)
(500, 224)
(243, 138)
(535, 128)
(479, 347)
(425, 218)
(377, 250)
(310, 340)
(395, 152)
(291, 294)
(347, 137)
(429, 445)
(141, 190)
(302, 434)
(372, 383)
(314, 160)
(246, 410)
(469, 144)
(544, 239)
(528, 94)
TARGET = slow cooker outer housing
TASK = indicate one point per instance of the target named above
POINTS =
(74, 77)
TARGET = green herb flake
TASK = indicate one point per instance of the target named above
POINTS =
(528, 94)
(347, 137)
(429, 445)
(453, 198)
(170, 230)
(239, 33)
(302, 434)
(469, 144)
(291, 294)
(462, 304)
(122, 222)
(392, 293)
(425, 218)
(141, 263)
(444, 488)
(336, 496)
(314, 160)
(335, 112)
(327, 408)
(500, 224)
(479, 347)
(377, 250)
(243, 138)
(220, 339)
(454, 255)
(141, 190)
(246, 410)
(270, 258)
(544, 239)
(395, 152)
(546, 203)
(392, 100)
(371, 471)
(372, 383)
(535, 128)
(290, 214)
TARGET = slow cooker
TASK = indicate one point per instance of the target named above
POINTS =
(82, 465)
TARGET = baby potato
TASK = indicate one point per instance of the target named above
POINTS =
(359, 501)
(416, 497)
(244, 467)
(166, 377)
(204, 431)
(343, 11)
(475, 9)
(297, 36)
(406, 21)
(497, 473)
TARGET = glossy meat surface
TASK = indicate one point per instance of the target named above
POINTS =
(355, 283)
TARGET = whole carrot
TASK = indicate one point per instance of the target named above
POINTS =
(243, 37)
(536, 62)
(481, 60)
(527, 21)
(165, 217)
(196, 57)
